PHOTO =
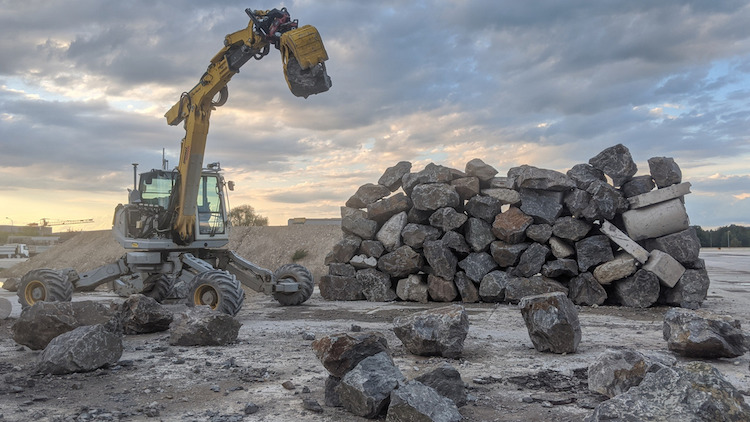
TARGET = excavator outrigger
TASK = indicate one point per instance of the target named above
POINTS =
(175, 222)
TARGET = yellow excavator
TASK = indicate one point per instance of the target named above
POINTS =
(175, 222)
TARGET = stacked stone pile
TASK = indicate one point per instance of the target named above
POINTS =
(597, 233)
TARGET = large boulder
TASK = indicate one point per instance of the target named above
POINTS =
(390, 234)
(492, 286)
(510, 226)
(585, 290)
(665, 171)
(440, 259)
(434, 196)
(392, 176)
(616, 162)
(338, 287)
(439, 331)
(412, 288)
(531, 177)
(593, 250)
(367, 194)
(366, 389)
(640, 290)
(615, 371)
(552, 322)
(141, 314)
(39, 324)
(414, 401)
(702, 334)
(401, 262)
(446, 380)
(544, 205)
(201, 326)
(340, 353)
(690, 291)
(376, 285)
(84, 349)
(516, 288)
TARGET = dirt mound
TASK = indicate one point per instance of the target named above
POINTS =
(268, 247)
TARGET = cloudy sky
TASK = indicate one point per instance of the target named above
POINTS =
(84, 85)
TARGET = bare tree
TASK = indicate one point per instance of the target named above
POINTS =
(245, 215)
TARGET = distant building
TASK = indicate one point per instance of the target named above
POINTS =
(26, 230)
(314, 221)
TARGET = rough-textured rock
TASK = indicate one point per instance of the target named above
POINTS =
(363, 262)
(466, 288)
(39, 324)
(367, 194)
(697, 392)
(479, 169)
(683, 246)
(539, 232)
(530, 177)
(505, 196)
(386, 208)
(414, 401)
(141, 314)
(439, 331)
(440, 289)
(455, 242)
(569, 228)
(372, 248)
(483, 207)
(415, 235)
(690, 291)
(392, 176)
(620, 267)
(560, 268)
(359, 225)
(340, 353)
(664, 171)
(390, 234)
(516, 288)
(466, 187)
(419, 216)
(334, 287)
(592, 251)
(440, 259)
(585, 290)
(477, 265)
(435, 195)
(640, 290)
(344, 250)
(446, 380)
(510, 226)
(200, 326)
(492, 287)
(543, 205)
(532, 260)
(616, 371)
(578, 202)
(366, 389)
(507, 255)
(560, 248)
(401, 262)
(584, 174)
(85, 348)
(616, 162)
(503, 183)
(702, 334)
(605, 202)
(344, 270)
(376, 285)
(478, 234)
(447, 219)
(638, 185)
(412, 288)
(552, 322)
(332, 398)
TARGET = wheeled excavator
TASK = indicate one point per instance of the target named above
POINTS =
(175, 223)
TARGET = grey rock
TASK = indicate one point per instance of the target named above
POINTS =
(434, 195)
(392, 176)
(359, 226)
(200, 326)
(340, 353)
(510, 226)
(606, 202)
(376, 285)
(419, 216)
(640, 290)
(414, 401)
(539, 232)
(366, 195)
(592, 251)
(412, 288)
(505, 196)
(683, 246)
(366, 389)
(343, 250)
(543, 205)
(447, 219)
(570, 228)
(702, 334)
(481, 170)
(697, 392)
(477, 265)
(440, 259)
(532, 260)
(415, 235)
(530, 177)
(435, 173)
(141, 314)
(386, 208)
(466, 288)
(616, 371)
(560, 268)
(335, 287)
(40, 323)
(664, 171)
(637, 186)
(690, 291)
(584, 174)
(552, 322)
(516, 288)
(84, 349)
(622, 266)
(312, 405)
(390, 234)
(439, 331)
(401, 262)
(455, 242)
(578, 202)
(344, 270)
(440, 289)
(492, 286)
(507, 255)
(560, 248)
(478, 234)
(362, 262)
(446, 380)
(332, 398)
(483, 207)
(371, 248)
(466, 187)
(586, 291)
(352, 212)
(503, 183)
(616, 162)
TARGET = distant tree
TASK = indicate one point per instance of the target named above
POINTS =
(245, 215)
(732, 235)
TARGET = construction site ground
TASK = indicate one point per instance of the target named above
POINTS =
(507, 379)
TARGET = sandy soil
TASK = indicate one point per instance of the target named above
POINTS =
(507, 379)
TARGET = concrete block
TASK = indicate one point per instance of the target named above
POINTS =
(622, 240)
(659, 195)
(656, 220)
(665, 267)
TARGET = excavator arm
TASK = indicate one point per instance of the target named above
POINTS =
(303, 56)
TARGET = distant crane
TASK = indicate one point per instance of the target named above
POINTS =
(46, 222)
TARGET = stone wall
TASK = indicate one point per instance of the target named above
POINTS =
(599, 233)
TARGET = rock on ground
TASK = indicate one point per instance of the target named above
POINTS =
(366, 389)
(446, 380)
(340, 353)
(439, 331)
(414, 401)
(703, 334)
(552, 322)
(141, 314)
(83, 349)
(200, 326)
(615, 371)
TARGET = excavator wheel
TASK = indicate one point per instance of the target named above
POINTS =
(44, 285)
(299, 274)
(157, 286)
(219, 290)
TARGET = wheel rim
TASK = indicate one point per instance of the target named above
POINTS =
(35, 292)
(206, 295)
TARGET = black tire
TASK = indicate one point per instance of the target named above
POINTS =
(302, 276)
(44, 285)
(157, 286)
(219, 290)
